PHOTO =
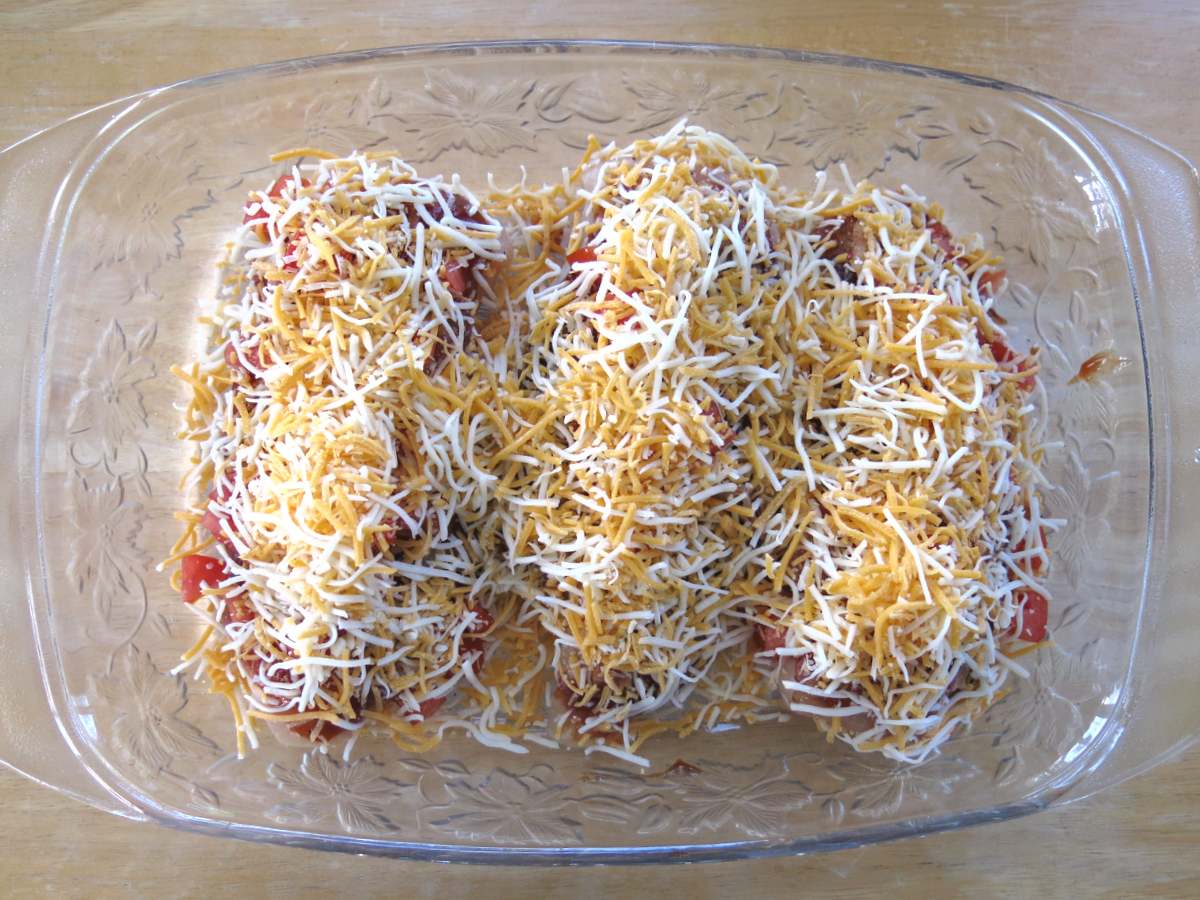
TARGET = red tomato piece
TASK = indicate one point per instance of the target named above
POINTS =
(428, 707)
(1034, 562)
(235, 362)
(770, 638)
(1035, 612)
(1026, 384)
(941, 237)
(804, 675)
(991, 281)
(460, 207)
(281, 183)
(290, 247)
(473, 646)
(219, 526)
(238, 609)
(579, 712)
(1001, 351)
(456, 279)
(276, 190)
(582, 255)
(316, 730)
(483, 620)
(200, 572)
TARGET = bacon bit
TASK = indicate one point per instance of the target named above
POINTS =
(684, 767)
(941, 236)
(1098, 364)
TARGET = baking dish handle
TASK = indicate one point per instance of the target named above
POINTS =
(31, 741)
(1161, 203)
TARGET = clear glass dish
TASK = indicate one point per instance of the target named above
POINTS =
(112, 223)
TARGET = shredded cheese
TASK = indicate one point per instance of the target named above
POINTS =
(665, 439)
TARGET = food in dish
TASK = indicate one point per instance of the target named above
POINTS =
(672, 446)
(342, 432)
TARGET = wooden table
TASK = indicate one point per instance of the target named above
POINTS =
(1133, 59)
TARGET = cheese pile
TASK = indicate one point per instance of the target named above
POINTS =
(345, 433)
(637, 509)
(684, 439)
(764, 408)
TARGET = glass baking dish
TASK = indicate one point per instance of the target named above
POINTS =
(112, 224)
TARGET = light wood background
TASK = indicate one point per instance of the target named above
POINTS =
(1137, 60)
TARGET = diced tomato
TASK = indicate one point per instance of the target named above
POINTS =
(473, 646)
(238, 609)
(259, 215)
(456, 279)
(1001, 351)
(220, 527)
(276, 190)
(397, 530)
(584, 254)
(460, 208)
(316, 730)
(200, 572)
(235, 362)
(1034, 562)
(437, 354)
(941, 236)
(1035, 612)
(282, 182)
(290, 247)
(579, 712)
(483, 620)
(991, 281)
(432, 705)
(770, 638)
(804, 675)
(216, 526)
(849, 238)
(712, 411)
(1026, 384)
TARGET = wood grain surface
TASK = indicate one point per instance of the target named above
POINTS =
(1136, 61)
